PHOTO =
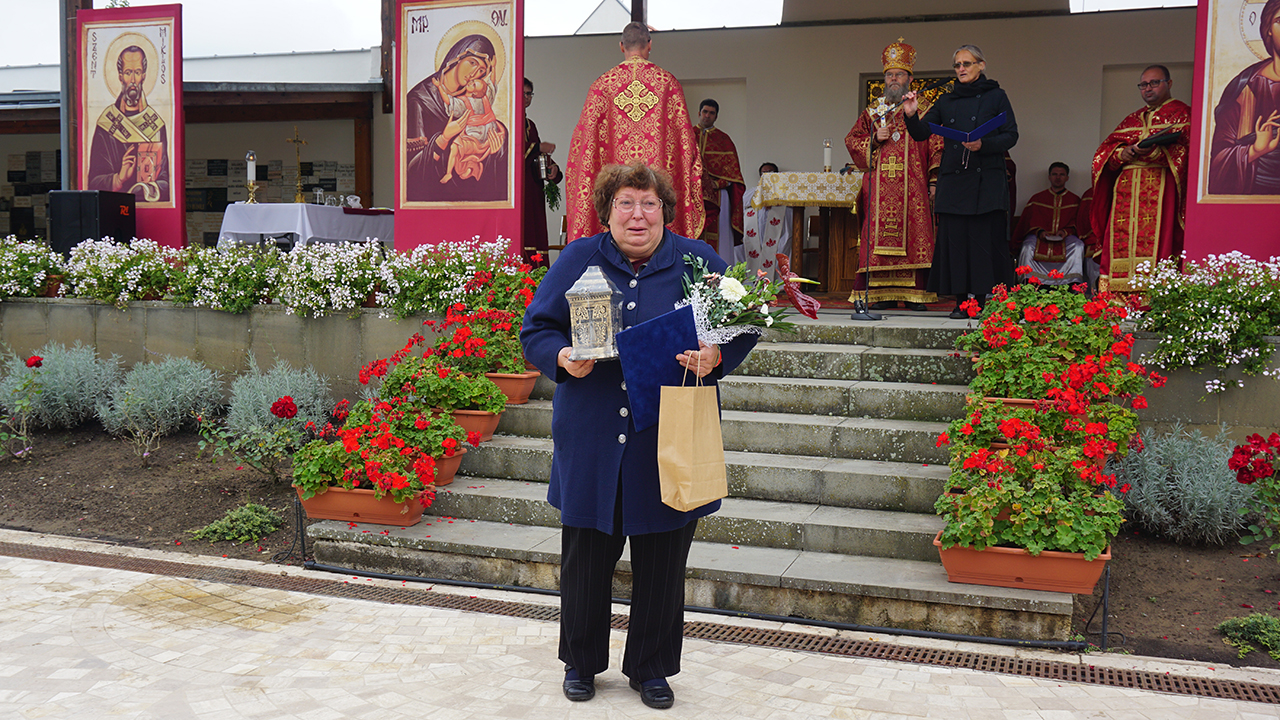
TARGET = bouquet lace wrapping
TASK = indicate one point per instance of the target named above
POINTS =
(714, 335)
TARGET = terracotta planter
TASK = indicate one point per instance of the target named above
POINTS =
(1016, 402)
(446, 468)
(52, 284)
(516, 386)
(359, 505)
(478, 421)
(1015, 568)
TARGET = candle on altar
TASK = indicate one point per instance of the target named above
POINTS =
(826, 155)
(251, 160)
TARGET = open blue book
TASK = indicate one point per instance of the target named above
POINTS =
(972, 135)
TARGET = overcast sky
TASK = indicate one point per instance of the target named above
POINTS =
(29, 34)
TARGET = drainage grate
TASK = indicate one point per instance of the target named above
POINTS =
(782, 639)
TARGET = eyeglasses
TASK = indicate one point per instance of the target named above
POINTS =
(1150, 84)
(965, 64)
(528, 93)
(627, 205)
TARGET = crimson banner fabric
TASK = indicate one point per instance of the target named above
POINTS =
(129, 113)
(458, 114)
(1233, 193)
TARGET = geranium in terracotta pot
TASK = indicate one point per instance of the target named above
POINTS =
(485, 341)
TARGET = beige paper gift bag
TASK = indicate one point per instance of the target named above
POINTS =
(691, 466)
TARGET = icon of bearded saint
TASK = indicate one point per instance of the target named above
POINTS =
(128, 150)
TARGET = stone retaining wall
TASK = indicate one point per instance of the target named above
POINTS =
(336, 345)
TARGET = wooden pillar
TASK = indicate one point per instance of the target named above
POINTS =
(638, 10)
(388, 61)
(72, 168)
(364, 159)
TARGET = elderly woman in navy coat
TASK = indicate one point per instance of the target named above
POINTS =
(604, 473)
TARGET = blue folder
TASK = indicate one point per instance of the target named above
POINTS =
(647, 352)
(972, 135)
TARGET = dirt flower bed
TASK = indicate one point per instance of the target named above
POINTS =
(1165, 599)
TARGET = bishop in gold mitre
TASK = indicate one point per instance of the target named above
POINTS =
(895, 196)
(635, 110)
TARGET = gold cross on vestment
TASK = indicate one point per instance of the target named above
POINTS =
(892, 167)
(635, 100)
(297, 147)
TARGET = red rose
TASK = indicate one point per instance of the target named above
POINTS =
(284, 408)
(35, 361)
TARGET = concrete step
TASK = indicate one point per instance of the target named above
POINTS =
(930, 330)
(852, 398)
(784, 433)
(857, 362)
(838, 482)
(740, 521)
(887, 592)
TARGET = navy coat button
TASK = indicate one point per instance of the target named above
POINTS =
(624, 385)
(624, 412)
(622, 439)
(631, 306)
(633, 282)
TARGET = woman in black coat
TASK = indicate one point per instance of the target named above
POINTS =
(971, 255)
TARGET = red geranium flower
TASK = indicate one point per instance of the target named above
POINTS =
(284, 408)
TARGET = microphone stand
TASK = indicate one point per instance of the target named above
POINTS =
(861, 309)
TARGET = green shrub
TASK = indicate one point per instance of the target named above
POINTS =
(248, 523)
(156, 399)
(1182, 489)
(1242, 633)
(253, 393)
(71, 381)
(252, 433)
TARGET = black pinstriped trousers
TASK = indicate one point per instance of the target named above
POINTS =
(656, 629)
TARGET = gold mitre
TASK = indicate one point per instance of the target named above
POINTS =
(899, 56)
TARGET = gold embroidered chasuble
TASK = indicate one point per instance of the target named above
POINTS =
(898, 219)
(636, 110)
(1139, 207)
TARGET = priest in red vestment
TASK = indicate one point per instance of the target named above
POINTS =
(896, 193)
(636, 110)
(1045, 238)
(722, 185)
(1139, 201)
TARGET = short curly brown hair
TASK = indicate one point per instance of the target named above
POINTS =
(639, 176)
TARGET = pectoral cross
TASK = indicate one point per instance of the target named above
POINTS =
(297, 147)
(892, 167)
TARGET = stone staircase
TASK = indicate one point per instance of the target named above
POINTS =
(830, 439)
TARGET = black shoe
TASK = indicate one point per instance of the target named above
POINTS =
(658, 697)
(579, 689)
(884, 305)
(959, 314)
(917, 307)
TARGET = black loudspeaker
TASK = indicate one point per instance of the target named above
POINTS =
(79, 215)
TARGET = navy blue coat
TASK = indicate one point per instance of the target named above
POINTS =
(597, 448)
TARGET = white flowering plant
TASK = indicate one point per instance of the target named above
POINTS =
(1215, 313)
(26, 267)
(433, 277)
(232, 279)
(726, 306)
(117, 273)
(322, 278)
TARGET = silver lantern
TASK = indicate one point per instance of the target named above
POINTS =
(595, 315)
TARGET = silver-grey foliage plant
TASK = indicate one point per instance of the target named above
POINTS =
(72, 382)
(253, 393)
(1182, 489)
(156, 399)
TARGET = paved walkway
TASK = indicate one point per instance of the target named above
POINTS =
(86, 642)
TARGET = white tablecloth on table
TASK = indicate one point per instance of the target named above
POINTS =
(310, 223)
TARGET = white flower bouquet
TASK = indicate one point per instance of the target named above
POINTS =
(726, 306)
